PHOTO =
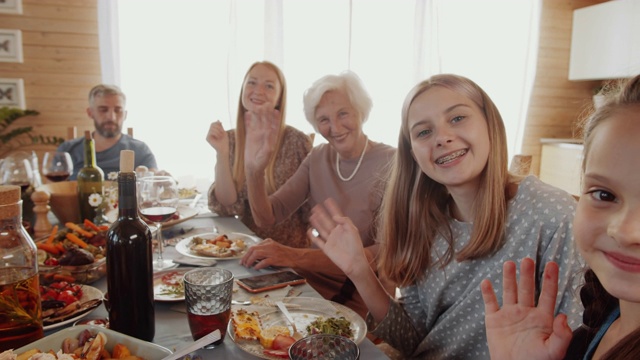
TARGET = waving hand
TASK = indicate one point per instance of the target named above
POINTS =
(520, 329)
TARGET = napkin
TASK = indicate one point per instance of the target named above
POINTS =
(186, 260)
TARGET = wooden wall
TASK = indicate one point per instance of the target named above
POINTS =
(61, 64)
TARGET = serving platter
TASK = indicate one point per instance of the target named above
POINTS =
(140, 348)
(88, 293)
(184, 246)
(304, 310)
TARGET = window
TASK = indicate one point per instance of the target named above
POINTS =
(182, 63)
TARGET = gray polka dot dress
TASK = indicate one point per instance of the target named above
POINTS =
(442, 316)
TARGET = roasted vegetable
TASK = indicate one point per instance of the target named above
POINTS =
(76, 256)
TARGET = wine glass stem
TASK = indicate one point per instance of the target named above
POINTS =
(160, 242)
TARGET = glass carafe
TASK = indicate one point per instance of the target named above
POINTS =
(20, 308)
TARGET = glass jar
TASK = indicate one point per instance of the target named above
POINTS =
(20, 308)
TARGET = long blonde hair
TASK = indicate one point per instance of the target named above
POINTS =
(414, 209)
(238, 163)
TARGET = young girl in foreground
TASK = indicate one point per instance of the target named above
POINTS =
(452, 214)
(607, 233)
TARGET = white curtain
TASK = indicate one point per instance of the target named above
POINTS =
(108, 29)
(182, 62)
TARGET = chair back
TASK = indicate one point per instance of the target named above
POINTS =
(72, 132)
(520, 165)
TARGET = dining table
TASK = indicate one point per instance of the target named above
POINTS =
(171, 324)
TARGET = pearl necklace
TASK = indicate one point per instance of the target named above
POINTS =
(357, 166)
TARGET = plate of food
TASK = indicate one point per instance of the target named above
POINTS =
(64, 303)
(117, 344)
(168, 285)
(265, 332)
(217, 246)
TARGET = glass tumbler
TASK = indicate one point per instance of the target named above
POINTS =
(324, 347)
(208, 296)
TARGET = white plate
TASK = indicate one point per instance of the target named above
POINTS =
(159, 287)
(304, 311)
(183, 246)
(140, 348)
(185, 213)
(88, 293)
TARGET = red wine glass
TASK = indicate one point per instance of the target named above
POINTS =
(157, 203)
(57, 166)
(16, 170)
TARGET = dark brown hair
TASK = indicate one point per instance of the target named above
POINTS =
(598, 303)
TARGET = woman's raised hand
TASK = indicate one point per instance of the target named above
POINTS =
(217, 137)
(520, 329)
(337, 237)
(262, 126)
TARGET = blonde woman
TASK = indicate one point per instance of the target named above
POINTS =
(452, 214)
(263, 89)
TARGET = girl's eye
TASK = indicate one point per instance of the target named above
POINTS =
(270, 86)
(343, 114)
(423, 133)
(457, 119)
(251, 82)
(602, 195)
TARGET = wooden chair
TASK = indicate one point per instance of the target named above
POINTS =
(520, 165)
(72, 132)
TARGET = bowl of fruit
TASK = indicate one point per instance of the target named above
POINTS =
(75, 253)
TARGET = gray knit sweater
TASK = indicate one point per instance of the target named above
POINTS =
(442, 316)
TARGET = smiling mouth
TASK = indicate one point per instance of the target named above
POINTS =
(449, 158)
(257, 101)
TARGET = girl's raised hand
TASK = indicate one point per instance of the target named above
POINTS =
(520, 329)
(217, 137)
(337, 237)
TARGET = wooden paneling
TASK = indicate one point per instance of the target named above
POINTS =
(61, 61)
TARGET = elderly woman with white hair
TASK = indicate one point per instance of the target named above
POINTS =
(351, 169)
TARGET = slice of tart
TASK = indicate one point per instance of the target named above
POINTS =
(246, 325)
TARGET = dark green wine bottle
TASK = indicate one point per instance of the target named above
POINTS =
(90, 177)
(130, 262)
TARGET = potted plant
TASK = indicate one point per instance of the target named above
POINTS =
(13, 138)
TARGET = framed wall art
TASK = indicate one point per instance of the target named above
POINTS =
(10, 45)
(11, 6)
(12, 93)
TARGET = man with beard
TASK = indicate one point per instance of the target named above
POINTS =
(107, 109)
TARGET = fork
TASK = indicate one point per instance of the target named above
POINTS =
(296, 335)
(205, 340)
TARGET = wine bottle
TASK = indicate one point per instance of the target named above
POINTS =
(90, 177)
(130, 261)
